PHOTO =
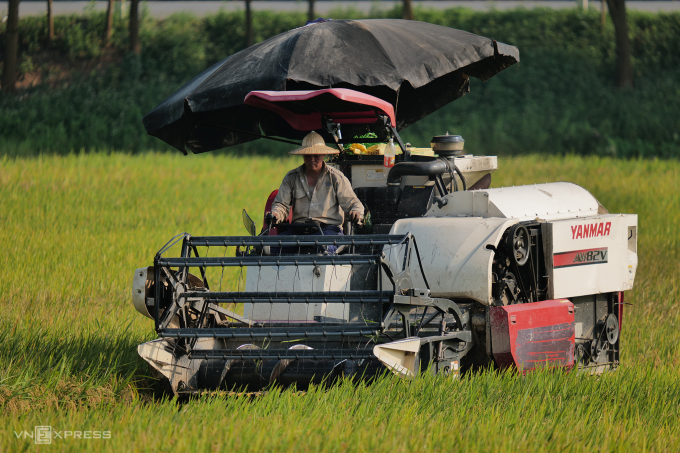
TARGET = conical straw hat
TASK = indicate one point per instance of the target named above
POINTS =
(313, 144)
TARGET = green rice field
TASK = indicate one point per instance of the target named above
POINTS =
(74, 228)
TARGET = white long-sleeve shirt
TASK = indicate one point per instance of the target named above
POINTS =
(322, 203)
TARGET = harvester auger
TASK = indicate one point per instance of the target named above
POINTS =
(450, 274)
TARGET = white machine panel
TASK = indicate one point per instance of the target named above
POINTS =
(297, 279)
(557, 200)
(591, 255)
(140, 288)
(472, 167)
(372, 175)
(454, 254)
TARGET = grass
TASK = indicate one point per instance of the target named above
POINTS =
(75, 227)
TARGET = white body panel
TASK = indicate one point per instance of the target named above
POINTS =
(296, 279)
(472, 168)
(139, 290)
(551, 201)
(373, 175)
(591, 255)
(453, 241)
(399, 356)
(177, 369)
(454, 254)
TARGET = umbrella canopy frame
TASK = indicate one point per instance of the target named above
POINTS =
(315, 110)
(415, 66)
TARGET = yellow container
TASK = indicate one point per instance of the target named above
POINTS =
(379, 150)
(422, 152)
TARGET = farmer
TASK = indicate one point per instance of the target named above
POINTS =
(316, 191)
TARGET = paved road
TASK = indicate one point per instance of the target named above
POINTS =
(201, 8)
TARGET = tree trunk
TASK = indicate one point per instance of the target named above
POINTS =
(249, 24)
(135, 45)
(603, 13)
(50, 21)
(407, 10)
(109, 22)
(9, 72)
(624, 65)
(310, 12)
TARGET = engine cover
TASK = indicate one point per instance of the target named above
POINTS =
(539, 334)
(457, 255)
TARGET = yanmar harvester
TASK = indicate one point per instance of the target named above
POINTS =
(448, 274)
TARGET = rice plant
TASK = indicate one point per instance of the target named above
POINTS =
(75, 227)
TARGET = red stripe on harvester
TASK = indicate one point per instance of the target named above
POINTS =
(567, 258)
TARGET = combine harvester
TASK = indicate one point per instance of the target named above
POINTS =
(449, 274)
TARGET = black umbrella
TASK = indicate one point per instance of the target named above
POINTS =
(416, 66)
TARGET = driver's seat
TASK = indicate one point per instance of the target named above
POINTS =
(268, 207)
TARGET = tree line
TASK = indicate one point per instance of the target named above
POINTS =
(10, 69)
(617, 11)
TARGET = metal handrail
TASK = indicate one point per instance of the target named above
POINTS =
(256, 260)
(280, 354)
(292, 297)
(297, 240)
(264, 333)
